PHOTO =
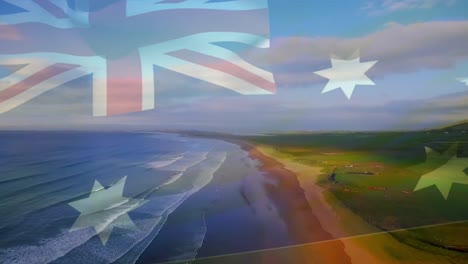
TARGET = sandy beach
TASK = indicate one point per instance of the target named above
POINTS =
(325, 212)
(305, 223)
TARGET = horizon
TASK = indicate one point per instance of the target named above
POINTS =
(192, 132)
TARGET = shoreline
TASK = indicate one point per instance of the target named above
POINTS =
(333, 217)
(304, 223)
(330, 213)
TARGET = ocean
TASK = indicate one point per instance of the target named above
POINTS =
(108, 197)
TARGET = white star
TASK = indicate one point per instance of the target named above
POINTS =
(452, 171)
(465, 80)
(346, 74)
(105, 209)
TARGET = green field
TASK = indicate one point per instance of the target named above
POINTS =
(375, 174)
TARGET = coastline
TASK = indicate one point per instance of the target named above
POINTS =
(307, 225)
(319, 227)
(330, 214)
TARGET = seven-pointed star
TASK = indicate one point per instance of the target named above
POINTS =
(445, 175)
(346, 74)
(105, 209)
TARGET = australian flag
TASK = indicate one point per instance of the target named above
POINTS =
(48, 43)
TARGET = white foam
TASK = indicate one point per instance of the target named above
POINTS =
(172, 179)
(181, 164)
(203, 176)
(79, 244)
(162, 163)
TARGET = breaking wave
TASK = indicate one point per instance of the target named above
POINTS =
(148, 211)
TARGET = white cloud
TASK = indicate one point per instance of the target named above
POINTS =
(385, 6)
(398, 48)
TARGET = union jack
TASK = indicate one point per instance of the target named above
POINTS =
(119, 42)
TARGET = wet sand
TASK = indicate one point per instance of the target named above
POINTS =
(301, 217)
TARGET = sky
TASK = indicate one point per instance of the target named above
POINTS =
(418, 50)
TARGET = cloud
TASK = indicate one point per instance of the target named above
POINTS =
(397, 48)
(386, 6)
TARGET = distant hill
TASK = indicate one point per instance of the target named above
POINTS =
(460, 126)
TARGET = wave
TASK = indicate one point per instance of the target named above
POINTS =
(172, 179)
(52, 249)
(203, 175)
(194, 171)
(163, 163)
(47, 250)
(36, 197)
(34, 201)
(28, 184)
(12, 174)
(195, 244)
(103, 219)
(34, 190)
(118, 246)
(132, 254)
(200, 238)
(189, 160)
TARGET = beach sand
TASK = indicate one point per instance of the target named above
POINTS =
(301, 216)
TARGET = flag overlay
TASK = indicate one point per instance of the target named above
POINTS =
(139, 131)
(119, 42)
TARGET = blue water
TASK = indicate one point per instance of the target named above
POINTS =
(41, 173)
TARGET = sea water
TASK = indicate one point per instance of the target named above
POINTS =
(43, 173)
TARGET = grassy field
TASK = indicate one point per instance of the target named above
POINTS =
(374, 174)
